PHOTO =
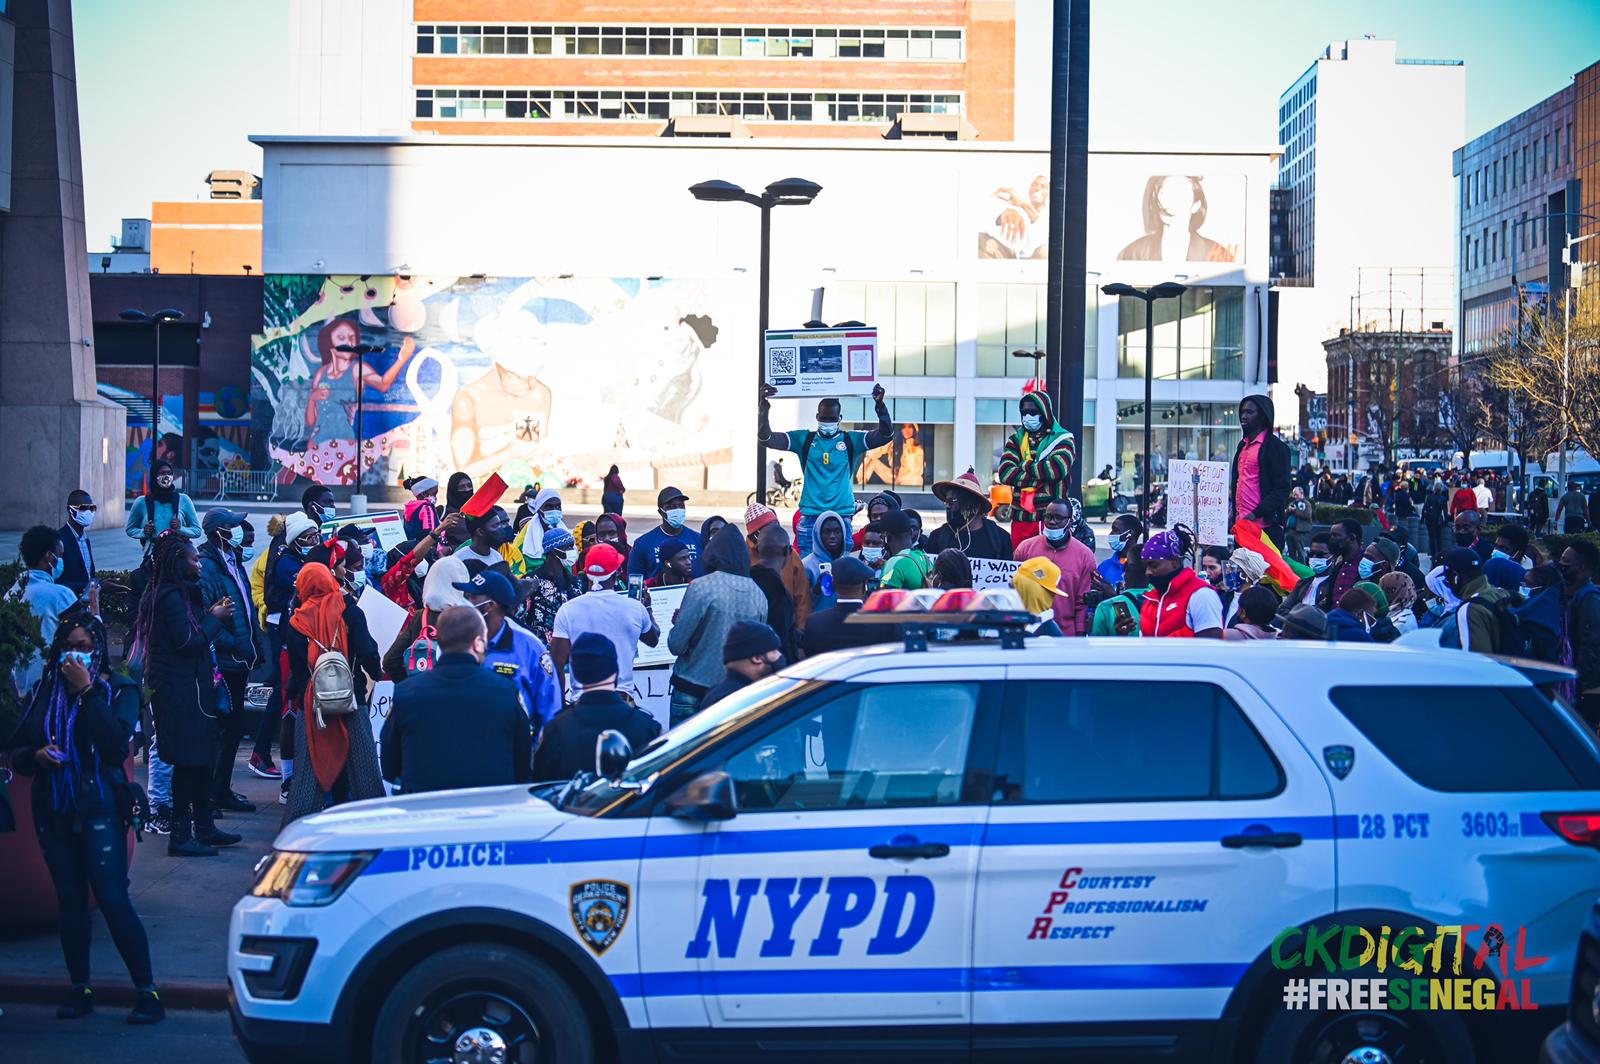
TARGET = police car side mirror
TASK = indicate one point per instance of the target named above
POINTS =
(709, 796)
(612, 752)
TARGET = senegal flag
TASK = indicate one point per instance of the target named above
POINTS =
(1282, 573)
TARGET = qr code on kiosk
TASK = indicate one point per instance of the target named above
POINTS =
(783, 361)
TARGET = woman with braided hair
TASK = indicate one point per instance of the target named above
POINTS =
(172, 634)
(73, 742)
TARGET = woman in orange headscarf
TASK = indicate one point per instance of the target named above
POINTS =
(337, 758)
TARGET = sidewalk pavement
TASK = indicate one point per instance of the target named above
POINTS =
(185, 903)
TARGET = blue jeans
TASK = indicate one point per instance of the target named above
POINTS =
(683, 706)
(93, 858)
(159, 787)
(802, 535)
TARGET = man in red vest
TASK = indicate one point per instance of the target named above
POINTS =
(1179, 604)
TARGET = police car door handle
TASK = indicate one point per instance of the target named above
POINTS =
(908, 848)
(1276, 839)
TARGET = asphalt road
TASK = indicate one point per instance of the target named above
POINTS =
(31, 1034)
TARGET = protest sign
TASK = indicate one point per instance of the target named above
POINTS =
(822, 361)
(655, 692)
(664, 602)
(385, 617)
(378, 709)
(988, 573)
(388, 524)
(1197, 496)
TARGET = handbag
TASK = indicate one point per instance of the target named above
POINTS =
(133, 804)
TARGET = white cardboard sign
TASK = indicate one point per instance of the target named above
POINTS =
(1197, 496)
(822, 361)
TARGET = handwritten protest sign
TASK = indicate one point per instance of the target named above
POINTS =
(987, 573)
(1197, 496)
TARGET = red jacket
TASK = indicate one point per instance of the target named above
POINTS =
(1463, 499)
(1167, 615)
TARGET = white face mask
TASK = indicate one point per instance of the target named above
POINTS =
(873, 556)
(1032, 422)
(827, 428)
(359, 580)
(80, 517)
(163, 481)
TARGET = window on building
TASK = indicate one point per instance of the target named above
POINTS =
(1014, 317)
(661, 104)
(747, 42)
(916, 323)
(1204, 431)
(1199, 336)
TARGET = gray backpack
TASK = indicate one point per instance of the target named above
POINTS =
(332, 687)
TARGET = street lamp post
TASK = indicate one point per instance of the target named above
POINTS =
(1566, 342)
(790, 192)
(1164, 290)
(159, 318)
(361, 351)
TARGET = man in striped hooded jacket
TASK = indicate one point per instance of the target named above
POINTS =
(1037, 462)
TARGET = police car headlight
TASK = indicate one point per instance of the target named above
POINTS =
(308, 878)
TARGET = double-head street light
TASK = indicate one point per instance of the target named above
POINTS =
(1165, 290)
(161, 317)
(790, 192)
(361, 351)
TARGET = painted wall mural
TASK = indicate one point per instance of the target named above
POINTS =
(538, 378)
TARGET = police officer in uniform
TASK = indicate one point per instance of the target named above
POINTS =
(567, 746)
(514, 652)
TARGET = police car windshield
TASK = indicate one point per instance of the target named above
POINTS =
(699, 731)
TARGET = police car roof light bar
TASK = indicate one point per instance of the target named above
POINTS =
(997, 610)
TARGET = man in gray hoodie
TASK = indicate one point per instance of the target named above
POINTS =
(827, 547)
(714, 603)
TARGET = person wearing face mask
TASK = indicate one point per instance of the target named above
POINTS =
(511, 650)
(907, 566)
(46, 599)
(874, 551)
(1242, 571)
(1127, 536)
(1468, 534)
(1036, 462)
(1342, 568)
(1474, 624)
(77, 571)
(828, 542)
(1319, 558)
(222, 576)
(829, 457)
(161, 507)
(457, 490)
(491, 540)
(1119, 614)
(457, 724)
(645, 554)
(1073, 561)
(1378, 558)
(1515, 542)
(608, 609)
(967, 526)
(1179, 603)
(752, 651)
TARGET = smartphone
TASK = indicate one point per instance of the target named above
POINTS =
(635, 585)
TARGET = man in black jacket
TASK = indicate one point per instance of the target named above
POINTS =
(458, 724)
(1259, 480)
(827, 631)
(567, 745)
(1579, 563)
(77, 564)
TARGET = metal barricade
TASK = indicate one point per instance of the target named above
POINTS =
(259, 485)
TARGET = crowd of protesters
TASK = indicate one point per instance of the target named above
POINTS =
(522, 627)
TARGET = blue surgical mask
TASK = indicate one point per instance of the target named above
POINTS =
(82, 657)
(1232, 580)
(1032, 422)
(358, 581)
(551, 518)
(872, 555)
(1320, 565)
(675, 517)
(55, 570)
(827, 428)
(1118, 542)
(1502, 554)
(1054, 535)
(1367, 568)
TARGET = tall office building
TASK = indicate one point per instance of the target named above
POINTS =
(719, 68)
(1521, 194)
(1371, 224)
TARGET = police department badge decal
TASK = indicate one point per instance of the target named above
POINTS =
(1340, 759)
(599, 911)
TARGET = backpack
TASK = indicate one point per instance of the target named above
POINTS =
(1433, 510)
(1539, 641)
(849, 449)
(1515, 639)
(423, 653)
(332, 686)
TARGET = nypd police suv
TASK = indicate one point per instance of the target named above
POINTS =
(1081, 850)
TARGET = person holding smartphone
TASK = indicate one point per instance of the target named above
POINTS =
(74, 742)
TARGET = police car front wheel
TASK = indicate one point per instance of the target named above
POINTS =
(482, 1004)
(1353, 1037)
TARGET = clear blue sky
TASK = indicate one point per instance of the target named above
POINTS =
(169, 90)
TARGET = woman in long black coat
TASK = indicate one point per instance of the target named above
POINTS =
(173, 633)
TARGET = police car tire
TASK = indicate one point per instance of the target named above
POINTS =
(564, 1031)
(1280, 1040)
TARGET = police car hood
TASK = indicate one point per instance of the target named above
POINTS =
(436, 818)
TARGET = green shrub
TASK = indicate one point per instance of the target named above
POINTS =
(1327, 513)
(1555, 543)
